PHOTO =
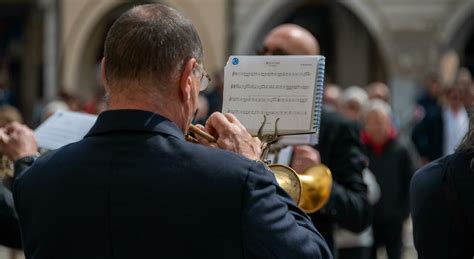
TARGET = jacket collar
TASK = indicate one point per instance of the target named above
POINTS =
(134, 120)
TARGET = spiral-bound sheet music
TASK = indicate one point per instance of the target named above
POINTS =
(286, 87)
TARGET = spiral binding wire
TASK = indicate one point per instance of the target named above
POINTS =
(319, 92)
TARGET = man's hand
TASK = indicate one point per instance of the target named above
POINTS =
(17, 141)
(231, 135)
(304, 157)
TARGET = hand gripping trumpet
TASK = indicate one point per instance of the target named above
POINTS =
(310, 189)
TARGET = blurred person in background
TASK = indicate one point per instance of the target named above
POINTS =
(6, 95)
(381, 91)
(96, 104)
(465, 80)
(378, 90)
(352, 245)
(469, 97)
(352, 102)
(392, 166)
(10, 122)
(332, 93)
(442, 204)
(72, 100)
(440, 131)
(429, 102)
(464, 77)
(339, 147)
(9, 114)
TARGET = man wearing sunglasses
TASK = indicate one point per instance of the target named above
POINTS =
(339, 147)
(134, 188)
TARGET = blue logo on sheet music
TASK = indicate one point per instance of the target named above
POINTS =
(235, 61)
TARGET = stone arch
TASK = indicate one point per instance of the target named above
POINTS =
(83, 41)
(272, 13)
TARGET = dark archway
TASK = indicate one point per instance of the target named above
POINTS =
(21, 53)
(93, 52)
(353, 57)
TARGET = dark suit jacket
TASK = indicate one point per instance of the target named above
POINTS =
(443, 225)
(134, 188)
(393, 169)
(428, 134)
(341, 151)
(9, 227)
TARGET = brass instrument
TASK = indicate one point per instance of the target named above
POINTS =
(310, 189)
(195, 130)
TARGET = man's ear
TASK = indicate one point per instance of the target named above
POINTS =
(103, 76)
(186, 80)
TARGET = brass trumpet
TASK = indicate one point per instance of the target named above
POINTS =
(310, 190)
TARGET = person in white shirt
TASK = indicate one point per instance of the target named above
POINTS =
(455, 119)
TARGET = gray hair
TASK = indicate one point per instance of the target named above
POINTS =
(150, 42)
(354, 93)
(378, 106)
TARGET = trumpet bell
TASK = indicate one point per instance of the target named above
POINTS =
(288, 180)
(310, 190)
(317, 185)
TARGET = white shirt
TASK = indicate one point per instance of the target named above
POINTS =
(455, 126)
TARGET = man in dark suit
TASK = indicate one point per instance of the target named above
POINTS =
(134, 188)
(339, 147)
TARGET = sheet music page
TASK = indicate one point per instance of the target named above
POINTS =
(277, 86)
(63, 128)
(307, 139)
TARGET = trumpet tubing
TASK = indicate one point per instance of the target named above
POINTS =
(192, 128)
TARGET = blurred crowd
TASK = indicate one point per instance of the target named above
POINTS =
(440, 120)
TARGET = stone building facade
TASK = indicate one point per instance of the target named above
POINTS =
(396, 41)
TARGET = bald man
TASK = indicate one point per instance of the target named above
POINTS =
(290, 39)
(339, 147)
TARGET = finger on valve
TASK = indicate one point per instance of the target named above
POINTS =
(216, 123)
(231, 118)
(232, 135)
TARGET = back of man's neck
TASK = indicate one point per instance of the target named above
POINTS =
(146, 103)
(143, 104)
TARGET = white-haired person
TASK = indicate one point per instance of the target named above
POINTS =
(352, 101)
(393, 167)
(352, 245)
